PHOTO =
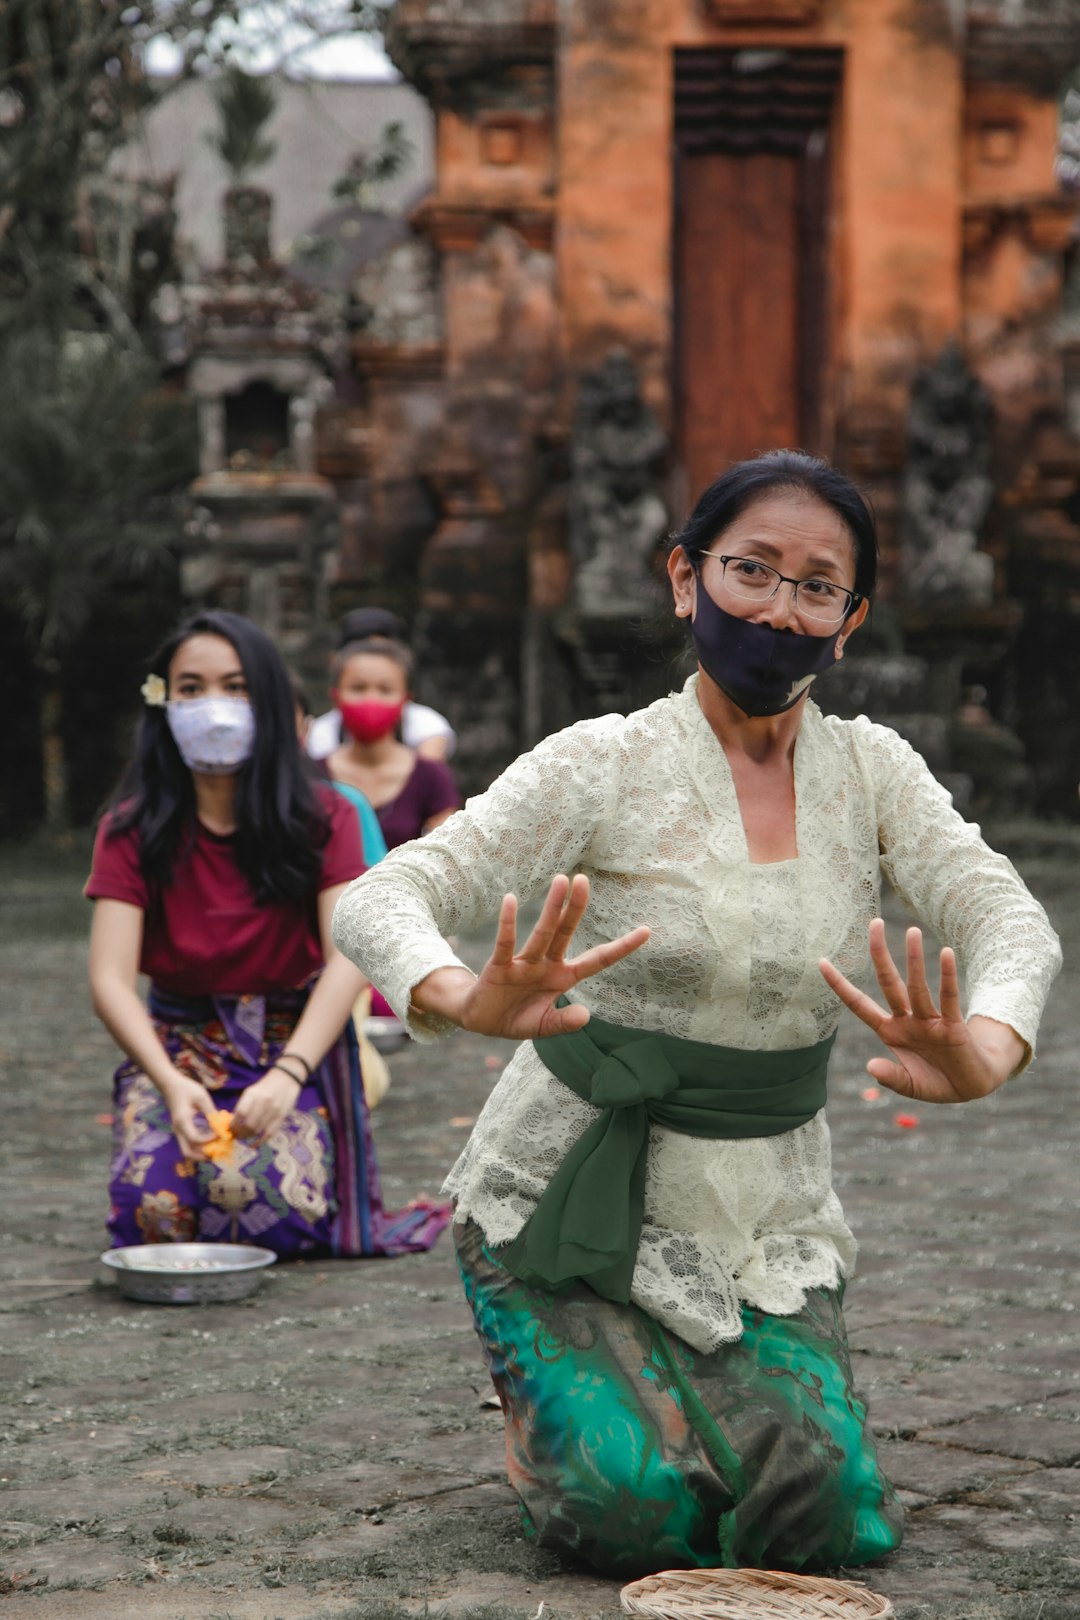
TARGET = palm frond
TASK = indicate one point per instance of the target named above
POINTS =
(245, 104)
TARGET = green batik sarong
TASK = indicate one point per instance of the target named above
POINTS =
(633, 1452)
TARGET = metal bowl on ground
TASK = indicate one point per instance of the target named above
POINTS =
(386, 1034)
(188, 1273)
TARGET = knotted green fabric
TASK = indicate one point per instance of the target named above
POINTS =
(588, 1221)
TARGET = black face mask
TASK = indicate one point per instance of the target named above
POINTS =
(763, 671)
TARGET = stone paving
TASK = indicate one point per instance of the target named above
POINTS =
(324, 1449)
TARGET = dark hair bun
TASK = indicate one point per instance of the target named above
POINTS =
(370, 621)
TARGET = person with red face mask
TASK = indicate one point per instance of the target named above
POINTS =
(409, 794)
(422, 728)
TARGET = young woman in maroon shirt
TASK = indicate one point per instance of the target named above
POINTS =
(409, 794)
(215, 873)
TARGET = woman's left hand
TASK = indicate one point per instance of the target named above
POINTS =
(264, 1105)
(938, 1056)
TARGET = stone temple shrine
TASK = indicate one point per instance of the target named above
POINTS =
(662, 235)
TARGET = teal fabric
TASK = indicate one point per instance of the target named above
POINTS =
(634, 1452)
(371, 834)
(587, 1223)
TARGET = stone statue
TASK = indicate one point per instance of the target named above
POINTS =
(1067, 162)
(616, 515)
(946, 490)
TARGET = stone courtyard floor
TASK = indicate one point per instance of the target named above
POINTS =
(324, 1449)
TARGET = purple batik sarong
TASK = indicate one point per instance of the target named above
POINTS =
(312, 1187)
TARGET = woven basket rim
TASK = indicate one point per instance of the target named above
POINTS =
(697, 1594)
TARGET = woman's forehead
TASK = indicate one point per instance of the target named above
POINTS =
(205, 654)
(791, 522)
(372, 667)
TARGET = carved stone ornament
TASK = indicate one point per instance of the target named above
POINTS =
(763, 13)
(248, 211)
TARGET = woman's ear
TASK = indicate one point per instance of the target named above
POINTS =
(851, 624)
(681, 574)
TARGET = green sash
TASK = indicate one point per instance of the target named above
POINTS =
(588, 1221)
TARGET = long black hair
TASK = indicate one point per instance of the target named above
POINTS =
(280, 827)
(748, 481)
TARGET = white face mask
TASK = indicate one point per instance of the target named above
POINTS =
(215, 735)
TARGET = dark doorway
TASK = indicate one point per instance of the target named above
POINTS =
(257, 424)
(752, 223)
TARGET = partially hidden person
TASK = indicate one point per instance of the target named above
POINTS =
(645, 1220)
(373, 1066)
(409, 793)
(423, 729)
(239, 1111)
(371, 835)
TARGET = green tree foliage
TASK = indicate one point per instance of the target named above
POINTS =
(364, 174)
(94, 451)
(367, 171)
(70, 89)
(93, 459)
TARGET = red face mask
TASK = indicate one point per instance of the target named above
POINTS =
(369, 720)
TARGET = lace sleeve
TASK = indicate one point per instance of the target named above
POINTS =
(972, 897)
(534, 821)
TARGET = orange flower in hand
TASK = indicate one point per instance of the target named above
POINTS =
(220, 1122)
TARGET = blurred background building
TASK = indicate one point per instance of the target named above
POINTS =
(606, 249)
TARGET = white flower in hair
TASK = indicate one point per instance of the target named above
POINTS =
(154, 692)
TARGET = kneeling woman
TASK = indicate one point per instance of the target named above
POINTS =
(215, 873)
(646, 1226)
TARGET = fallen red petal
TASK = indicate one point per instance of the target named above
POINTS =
(906, 1122)
(103, 1119)
(871, 1094)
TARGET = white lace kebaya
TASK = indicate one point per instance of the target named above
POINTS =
(645, 805)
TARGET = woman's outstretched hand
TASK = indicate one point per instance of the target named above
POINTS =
(938, 1057)
(515, 993)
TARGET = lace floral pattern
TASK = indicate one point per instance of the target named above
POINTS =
(646, 806)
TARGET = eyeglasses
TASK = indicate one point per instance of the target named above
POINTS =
(756, 582)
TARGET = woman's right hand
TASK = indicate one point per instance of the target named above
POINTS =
(186, 1101)
(515, 993)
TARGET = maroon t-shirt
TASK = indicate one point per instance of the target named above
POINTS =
(206, 934)
(429, 788)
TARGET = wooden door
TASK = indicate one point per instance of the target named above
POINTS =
(738, 266)
(751, 253)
